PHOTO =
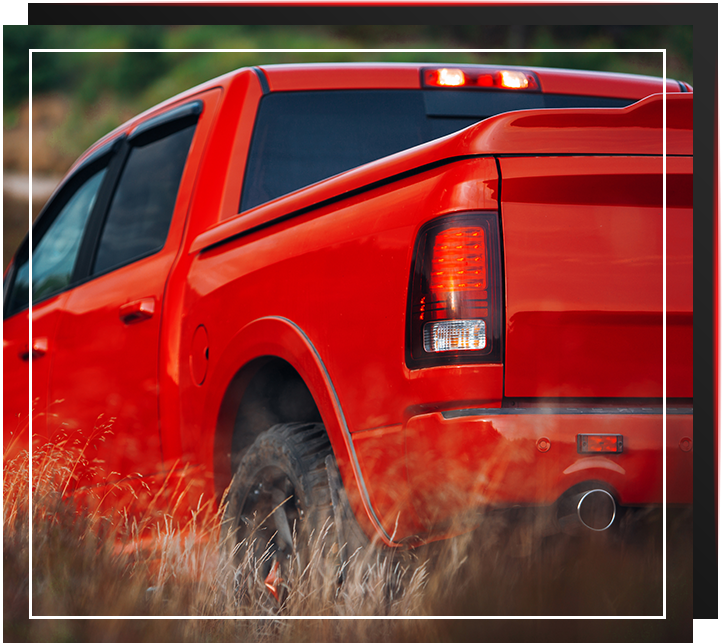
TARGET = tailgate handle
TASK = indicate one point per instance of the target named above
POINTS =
(137, 311)
(40, 347)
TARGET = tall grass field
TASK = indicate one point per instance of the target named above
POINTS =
(145, 575)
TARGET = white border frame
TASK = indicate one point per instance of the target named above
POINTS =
(663, 616)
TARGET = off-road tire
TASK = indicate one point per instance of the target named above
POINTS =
(286, 464)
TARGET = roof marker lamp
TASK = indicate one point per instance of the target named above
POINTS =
(447, 77)
(486, 78)
(513, 79)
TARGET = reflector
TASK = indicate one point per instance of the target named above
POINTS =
(599, 443)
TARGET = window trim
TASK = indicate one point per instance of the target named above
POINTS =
(188, 111)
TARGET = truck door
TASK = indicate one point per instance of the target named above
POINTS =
(104, 385)
(57, 237)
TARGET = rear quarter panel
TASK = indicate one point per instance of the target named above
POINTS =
(340, 275)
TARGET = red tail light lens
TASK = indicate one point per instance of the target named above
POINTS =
(458, 261)
(455, 308)
(515, 79)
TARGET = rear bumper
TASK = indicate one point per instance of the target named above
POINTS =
(461, 460)
(423, 474)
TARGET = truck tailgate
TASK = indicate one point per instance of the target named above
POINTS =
(583, 261)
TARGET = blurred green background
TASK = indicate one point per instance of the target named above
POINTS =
(79, 96)
(134, 81)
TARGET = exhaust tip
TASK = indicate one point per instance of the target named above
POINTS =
(596, 509)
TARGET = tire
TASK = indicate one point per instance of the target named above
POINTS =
(279, 501)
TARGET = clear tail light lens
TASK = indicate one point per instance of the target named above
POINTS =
(455, 306)
(455, 335)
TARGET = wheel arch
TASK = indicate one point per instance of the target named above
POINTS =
(266, 347)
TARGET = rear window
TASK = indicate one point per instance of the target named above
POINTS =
(301, 138)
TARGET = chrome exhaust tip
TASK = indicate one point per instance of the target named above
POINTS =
(596, 509)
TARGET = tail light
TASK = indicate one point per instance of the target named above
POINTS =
(454, 312)
(490, 78)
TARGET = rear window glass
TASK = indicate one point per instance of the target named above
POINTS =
(301, 138)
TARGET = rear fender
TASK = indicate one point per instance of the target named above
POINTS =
(280, 338)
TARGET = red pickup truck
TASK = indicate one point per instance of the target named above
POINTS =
(405, 292)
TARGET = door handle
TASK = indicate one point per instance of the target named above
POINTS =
(40, 347)
(137, 311)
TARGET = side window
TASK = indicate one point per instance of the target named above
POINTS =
(56, 248)
(142, 207)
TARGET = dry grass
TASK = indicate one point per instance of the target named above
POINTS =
(95, 560)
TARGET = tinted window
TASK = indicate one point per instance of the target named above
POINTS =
(56, 251)
(142, 207)
(304, 137)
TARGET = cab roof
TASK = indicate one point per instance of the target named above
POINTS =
(408, 76)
